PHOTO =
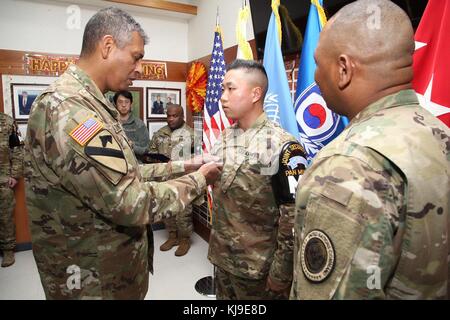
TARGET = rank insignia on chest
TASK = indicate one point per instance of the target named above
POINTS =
(317, 256)
(86, 130)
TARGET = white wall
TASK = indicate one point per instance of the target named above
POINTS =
(42, 26)
(202, 26)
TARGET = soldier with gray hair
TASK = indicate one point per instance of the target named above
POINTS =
(90, 204)
(372, 213)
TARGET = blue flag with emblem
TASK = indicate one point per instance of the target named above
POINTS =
(278, 101)
(317, 124)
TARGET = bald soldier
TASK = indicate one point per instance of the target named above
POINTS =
(176, 141)
(88, 203)
(372, 212)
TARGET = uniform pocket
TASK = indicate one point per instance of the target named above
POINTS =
(330, 235)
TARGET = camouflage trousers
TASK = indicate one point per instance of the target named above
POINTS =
(230, 287)
(182, 223)
(7, 226)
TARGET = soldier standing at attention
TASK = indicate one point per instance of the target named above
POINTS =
(88, 203)
(134, 127)
(251, 242)
(11, 168)
(372, 213)
(176, 141)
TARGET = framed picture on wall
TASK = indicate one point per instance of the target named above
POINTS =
(154, 126)
(22, 130)
(23, 96)
(137, 106)
(159, 98)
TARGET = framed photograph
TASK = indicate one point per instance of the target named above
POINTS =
(23, 96)
(137, 106)
(154, 126)
(158, 99)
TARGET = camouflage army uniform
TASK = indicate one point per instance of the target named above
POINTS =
(251, 236)
(137, 132)
(89, 207)
(372, 213)
(10, 166)
(176, 146)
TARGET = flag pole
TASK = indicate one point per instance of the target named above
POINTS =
(217, 17)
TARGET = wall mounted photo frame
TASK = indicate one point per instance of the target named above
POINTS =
(159, 98)
(137, 106)
(22, 130)
(23, 96)
(154, 126)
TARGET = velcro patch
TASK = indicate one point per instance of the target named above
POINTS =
(86, 130)
(331, 238)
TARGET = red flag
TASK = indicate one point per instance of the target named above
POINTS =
(432, 59)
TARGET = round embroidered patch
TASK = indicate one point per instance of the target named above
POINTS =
(317, 256)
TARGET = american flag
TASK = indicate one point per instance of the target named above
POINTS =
(214, 119)
(86, 130)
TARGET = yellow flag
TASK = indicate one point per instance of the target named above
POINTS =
(244, 49)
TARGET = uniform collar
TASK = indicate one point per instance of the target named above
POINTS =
(183, 126)
(260, 121)
(90, 86)
(403, 97)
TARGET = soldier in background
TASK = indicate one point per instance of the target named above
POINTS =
(11, 168)
(89, 205)
(176, 141)
(372, 212)
(251, 241)
(135, 128)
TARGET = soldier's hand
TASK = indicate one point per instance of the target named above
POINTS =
(211, 171)
(197, 161)
(12, 182)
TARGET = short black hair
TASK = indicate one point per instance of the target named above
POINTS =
(251, 66)
(110, 21)
(125, 93)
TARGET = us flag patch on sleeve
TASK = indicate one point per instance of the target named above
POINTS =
(86, 130)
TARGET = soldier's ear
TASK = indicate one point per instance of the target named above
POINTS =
(346, 70)
(106, 44)
(257, 93)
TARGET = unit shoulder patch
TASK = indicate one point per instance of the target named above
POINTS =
(104, 149)
(317, 256)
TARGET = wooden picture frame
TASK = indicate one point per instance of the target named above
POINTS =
(22, 129)
(153, 126)
(23, 96)
(157, 109)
